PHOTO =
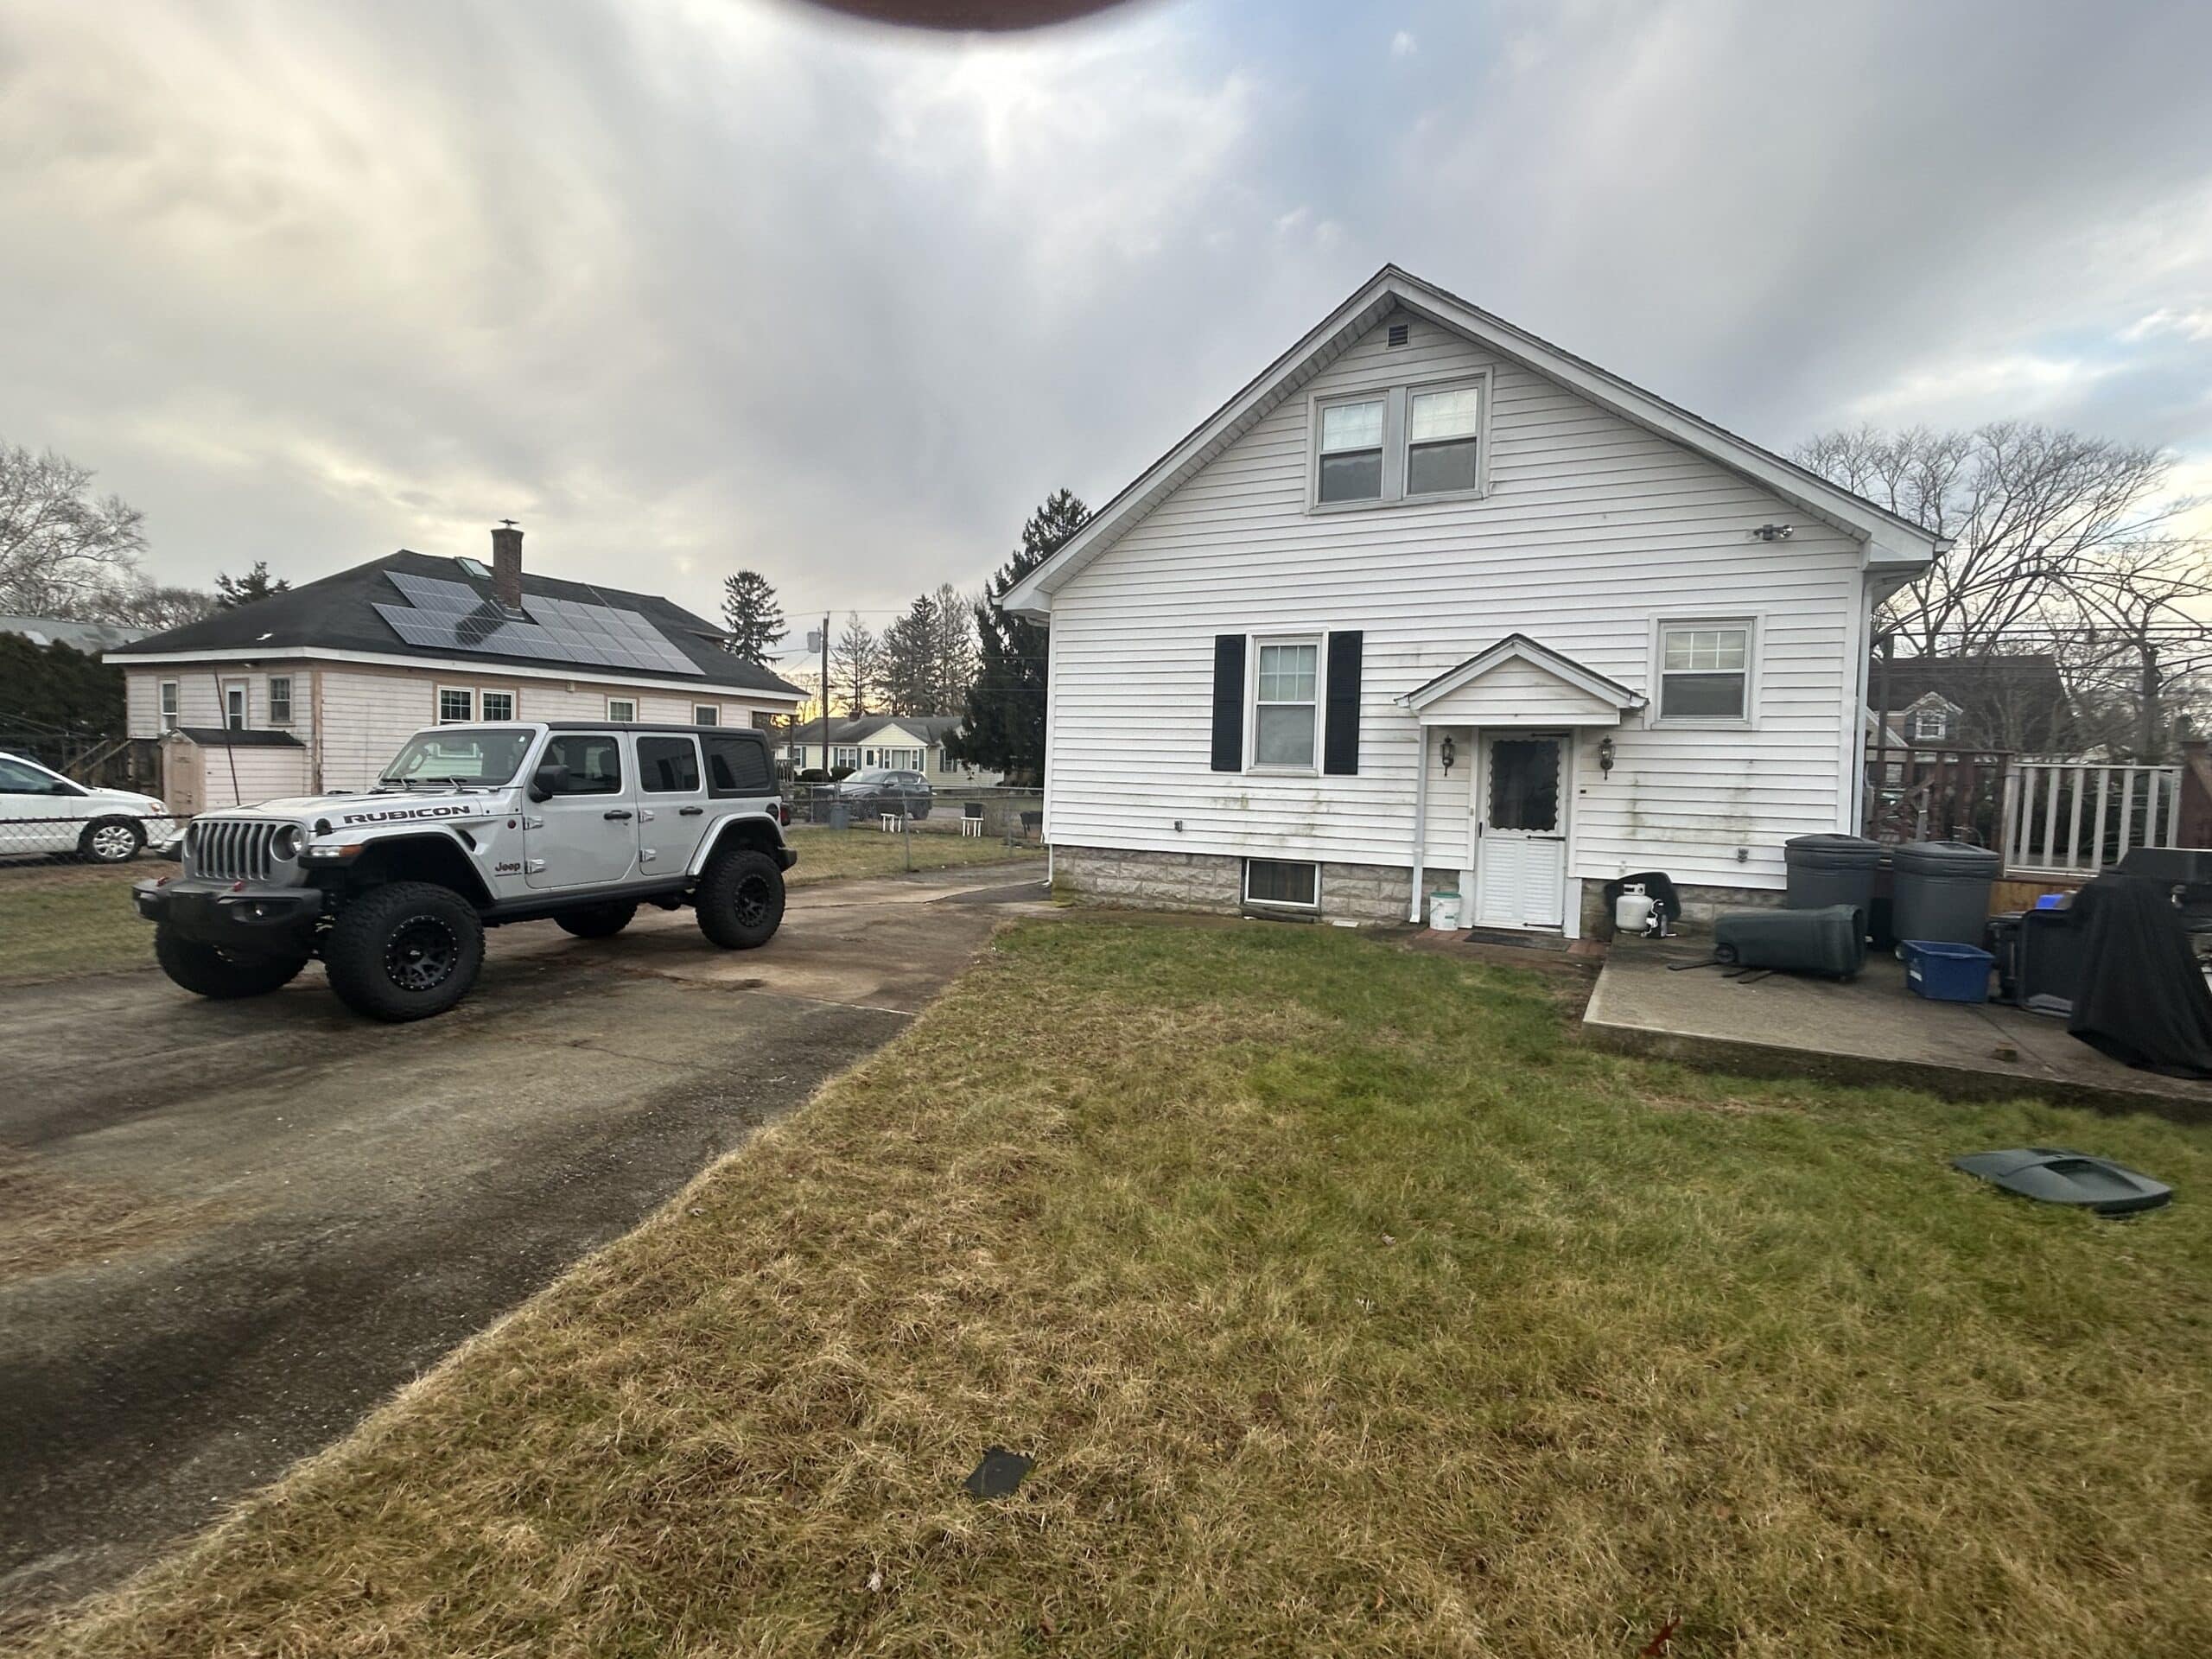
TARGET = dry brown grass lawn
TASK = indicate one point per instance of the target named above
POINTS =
(1346, 1308)
(60, 920)
(835, 854)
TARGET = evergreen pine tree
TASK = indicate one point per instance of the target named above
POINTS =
(231, 591)
(1003, 729)
(751, 616)
(910, 660)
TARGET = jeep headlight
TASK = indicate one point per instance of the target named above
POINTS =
(288, 842)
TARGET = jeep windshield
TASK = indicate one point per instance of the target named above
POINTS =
(458, 756)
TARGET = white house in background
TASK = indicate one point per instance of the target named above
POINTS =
(903, 742)
(315, 688)
(1431, 604)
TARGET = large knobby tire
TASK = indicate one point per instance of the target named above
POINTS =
(404, 951)
(206, 971)
(739, 900)
(599, 922)
(110, 841)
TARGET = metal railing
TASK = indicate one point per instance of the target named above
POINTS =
(2076, 817)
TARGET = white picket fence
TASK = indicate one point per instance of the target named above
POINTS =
(2064, 817)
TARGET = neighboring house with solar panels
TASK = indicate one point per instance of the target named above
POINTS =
(314, 689)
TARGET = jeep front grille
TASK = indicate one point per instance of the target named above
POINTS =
(231, 849)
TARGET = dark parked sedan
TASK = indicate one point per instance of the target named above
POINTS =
(882, 789)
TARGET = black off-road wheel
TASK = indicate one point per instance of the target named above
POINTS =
(110, 841)
(599, 922)
(404, 951)
(741, 899)
(206, 971)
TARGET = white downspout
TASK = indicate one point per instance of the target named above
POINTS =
(1420, 815)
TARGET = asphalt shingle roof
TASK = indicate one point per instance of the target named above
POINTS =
(337, 613)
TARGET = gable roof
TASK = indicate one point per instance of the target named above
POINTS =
(931, 728)
(89, 637)
(337, 613)
(1519, 647)
(1890, 541)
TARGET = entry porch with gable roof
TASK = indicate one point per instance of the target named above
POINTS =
(1514, 712)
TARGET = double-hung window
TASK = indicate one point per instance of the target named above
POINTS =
(456, 705)
(1930, 726)
(706, 714)
(1443, 430)
(169, 705)
(280, 699)
(1351, 451)
(622, 708)
(498, 705)
(1285, 684)
(1705, 671)
(1415, 442)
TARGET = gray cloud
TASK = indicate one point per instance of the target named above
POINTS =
(708, 283)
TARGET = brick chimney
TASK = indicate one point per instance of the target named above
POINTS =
(506, 565)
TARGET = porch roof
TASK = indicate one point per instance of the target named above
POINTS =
(1522, 681)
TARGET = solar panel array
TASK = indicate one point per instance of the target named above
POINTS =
(453, 616)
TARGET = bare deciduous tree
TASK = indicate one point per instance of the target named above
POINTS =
(62, 547)
(2024, 505)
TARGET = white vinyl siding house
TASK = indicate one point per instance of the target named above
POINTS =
(1632, 562)
(328, 702)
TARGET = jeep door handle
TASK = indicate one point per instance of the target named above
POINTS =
(620, 812)
(689, 811)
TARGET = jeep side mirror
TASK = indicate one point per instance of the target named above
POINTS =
(549, 780)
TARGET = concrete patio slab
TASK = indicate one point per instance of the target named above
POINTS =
(1870, 1030)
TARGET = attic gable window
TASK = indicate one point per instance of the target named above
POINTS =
(1442, 430)
(1930, 726)
(1351, 451)
(1425, 441)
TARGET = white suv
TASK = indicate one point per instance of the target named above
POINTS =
(42, 811)
(474, 827)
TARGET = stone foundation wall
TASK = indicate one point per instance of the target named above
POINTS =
(1215, 881)
(1700, 906)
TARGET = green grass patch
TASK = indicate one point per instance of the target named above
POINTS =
(59, 921)
(1347, 1306)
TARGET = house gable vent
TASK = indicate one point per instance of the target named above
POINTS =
(1398, 331)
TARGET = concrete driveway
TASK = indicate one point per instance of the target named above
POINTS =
(227, 1231)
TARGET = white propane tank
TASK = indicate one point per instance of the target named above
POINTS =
(1632, 910)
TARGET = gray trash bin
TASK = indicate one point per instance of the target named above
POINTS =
(1827, 870)
(1942, 891)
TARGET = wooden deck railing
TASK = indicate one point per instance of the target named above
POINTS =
(2064, 817)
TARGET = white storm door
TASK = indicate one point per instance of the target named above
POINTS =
(1521, 831)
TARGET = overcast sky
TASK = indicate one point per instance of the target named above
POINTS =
(687, 285)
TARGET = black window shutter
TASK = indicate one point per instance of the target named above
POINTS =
(1228, 702)
(1340, 737)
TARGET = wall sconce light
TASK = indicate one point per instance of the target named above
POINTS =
(1606, 756)
(1447, 754)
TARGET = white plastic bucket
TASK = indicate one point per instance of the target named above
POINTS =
(1444, 912)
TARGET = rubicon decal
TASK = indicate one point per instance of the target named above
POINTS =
(410, 814)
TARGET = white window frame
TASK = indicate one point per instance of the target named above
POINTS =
(841, 752)
(438, 704)
(284, 680)
(244, 688)
(1478, 383)
(169, 700)
(706, 714)
(1754, 627)
(1941, 720)
(1396, 397)
(1283, 904)
(484, 709)
(1318, 639)
(631, 703)
(1337, 400)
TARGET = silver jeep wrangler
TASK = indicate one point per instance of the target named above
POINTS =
(471, 827)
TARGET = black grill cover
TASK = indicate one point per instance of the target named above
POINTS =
(2140, 996)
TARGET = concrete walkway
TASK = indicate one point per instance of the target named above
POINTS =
(228, 1230)
(1870, 1030)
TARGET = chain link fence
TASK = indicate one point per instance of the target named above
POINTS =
(30, 838)
(1012, 817)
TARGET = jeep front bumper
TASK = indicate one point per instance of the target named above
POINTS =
(270, 922)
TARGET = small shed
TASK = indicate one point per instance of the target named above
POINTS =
(205, 768)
